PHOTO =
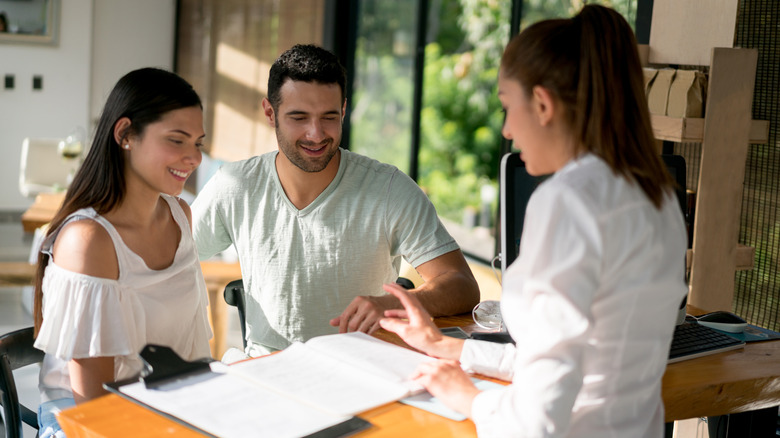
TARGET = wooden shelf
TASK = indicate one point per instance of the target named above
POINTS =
(744, 258)
(691, 130)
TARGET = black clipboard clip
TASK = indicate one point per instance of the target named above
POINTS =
(162, 365)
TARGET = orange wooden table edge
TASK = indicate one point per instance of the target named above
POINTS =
(113, 416)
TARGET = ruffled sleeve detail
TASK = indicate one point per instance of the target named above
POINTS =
(85, 316)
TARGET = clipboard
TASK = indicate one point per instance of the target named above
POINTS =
(164, 369)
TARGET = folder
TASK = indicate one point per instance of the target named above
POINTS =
(207, 398)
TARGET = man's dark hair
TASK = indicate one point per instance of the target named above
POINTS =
(305, 63)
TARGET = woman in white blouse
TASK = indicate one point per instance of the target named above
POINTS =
(592, 299)
(118, 268)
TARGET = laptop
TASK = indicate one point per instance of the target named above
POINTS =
(690, 339)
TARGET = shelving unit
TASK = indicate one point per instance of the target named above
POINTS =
(691, 130)
(685, 33)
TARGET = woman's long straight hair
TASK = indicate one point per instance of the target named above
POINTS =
(591, 64)
(144, 96)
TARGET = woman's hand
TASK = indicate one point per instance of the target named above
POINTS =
(445, 380)
(415, 326)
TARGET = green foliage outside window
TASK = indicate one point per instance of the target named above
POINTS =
(461, 118)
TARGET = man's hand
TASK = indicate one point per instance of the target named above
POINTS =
(363, 314)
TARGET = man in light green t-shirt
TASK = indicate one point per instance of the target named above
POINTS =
(318, 229)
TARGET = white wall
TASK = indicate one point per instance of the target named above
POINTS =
(99, 41)
(56, 109)
(129, 35)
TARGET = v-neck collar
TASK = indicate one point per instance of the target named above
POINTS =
(321, 197)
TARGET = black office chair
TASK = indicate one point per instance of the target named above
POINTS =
(234, 296)
(16, 351)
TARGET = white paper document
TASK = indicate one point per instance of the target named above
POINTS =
(295, 392)
(344, 374)
(228, 406)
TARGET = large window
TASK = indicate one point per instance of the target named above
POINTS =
(456, 158)
(382, 81)
(462, 117)
(460, 121)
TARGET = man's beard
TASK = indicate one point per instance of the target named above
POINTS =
(307, 164)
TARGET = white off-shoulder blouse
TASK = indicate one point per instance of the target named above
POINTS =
(85, 316)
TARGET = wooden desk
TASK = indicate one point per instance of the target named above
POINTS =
(736, 381)
(727, 383)
(730, 382)
(113, 416)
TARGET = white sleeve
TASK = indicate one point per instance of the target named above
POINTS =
(85, 316)
(491, 359)
(546, 305)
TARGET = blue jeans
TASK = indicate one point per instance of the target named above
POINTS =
(47, 417)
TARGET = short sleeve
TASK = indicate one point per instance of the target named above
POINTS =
(414, 228)
(208, 227)
(85, 316)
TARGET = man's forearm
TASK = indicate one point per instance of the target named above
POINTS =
(449, 293)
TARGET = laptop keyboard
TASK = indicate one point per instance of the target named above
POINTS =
(693, 340)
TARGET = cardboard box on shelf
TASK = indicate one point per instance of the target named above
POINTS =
(658, 96)
(650, 74)
(687, 94)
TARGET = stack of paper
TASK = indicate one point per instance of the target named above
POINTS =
(305, 388)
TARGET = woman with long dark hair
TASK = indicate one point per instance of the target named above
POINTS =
(592, 299)
(118, 268)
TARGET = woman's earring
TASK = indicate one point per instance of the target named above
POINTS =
(127, 146)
